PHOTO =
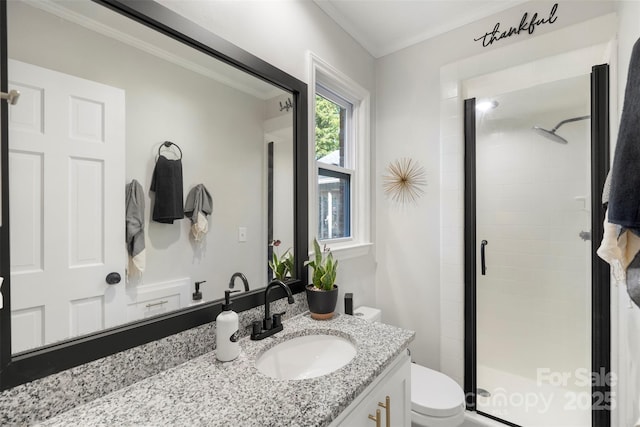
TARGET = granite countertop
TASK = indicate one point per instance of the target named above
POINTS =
(204, 391)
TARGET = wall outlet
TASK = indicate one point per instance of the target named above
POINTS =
(242, 234)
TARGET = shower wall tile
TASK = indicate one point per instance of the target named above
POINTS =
(452, 275)
(39, 400)
(453, 293)
(453, 163)
(452, 227)
(451, 147)
(454, 368)
(452, 359)
(452, 214)
(451, 181)
(453, 330)
(448, 88)
(452, 254)
(452, 313)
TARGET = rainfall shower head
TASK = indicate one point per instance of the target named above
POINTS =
(552, 135)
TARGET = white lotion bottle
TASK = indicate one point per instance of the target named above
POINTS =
(227, 335)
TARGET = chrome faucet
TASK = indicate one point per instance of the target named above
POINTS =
(242, 277)
(270, 324)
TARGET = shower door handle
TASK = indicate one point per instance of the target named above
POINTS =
(482, 257)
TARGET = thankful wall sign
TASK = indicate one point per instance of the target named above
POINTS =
(527, 26)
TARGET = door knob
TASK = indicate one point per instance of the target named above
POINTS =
(113, 278)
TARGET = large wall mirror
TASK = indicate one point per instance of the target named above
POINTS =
(117, 117)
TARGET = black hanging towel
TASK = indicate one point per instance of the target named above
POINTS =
(167, 184)
(624, 197)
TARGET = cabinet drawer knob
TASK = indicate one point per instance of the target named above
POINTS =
(376, 418)
(387, 408)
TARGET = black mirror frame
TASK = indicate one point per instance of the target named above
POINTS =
(44, 361)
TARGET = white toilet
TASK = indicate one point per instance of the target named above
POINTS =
(436, 399)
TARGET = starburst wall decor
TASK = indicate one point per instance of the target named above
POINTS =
(404, 180)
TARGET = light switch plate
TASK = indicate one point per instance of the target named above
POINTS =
(242, 234)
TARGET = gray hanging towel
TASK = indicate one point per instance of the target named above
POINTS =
(624, 197)
(197, 207)
(167, 184)
(134, 218)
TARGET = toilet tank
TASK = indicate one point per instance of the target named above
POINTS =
(369, 314)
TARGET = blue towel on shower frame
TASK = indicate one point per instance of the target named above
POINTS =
(624, 198)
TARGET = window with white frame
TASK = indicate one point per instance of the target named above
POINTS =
(333, 151)
(340, 190)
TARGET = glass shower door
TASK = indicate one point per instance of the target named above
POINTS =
(533, 233)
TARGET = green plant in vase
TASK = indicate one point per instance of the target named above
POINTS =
(322, 293)
(282, 266)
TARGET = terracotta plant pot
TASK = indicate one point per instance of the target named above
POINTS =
(322, 304)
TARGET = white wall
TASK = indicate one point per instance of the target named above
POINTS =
(408, 123)
(628, 340)
(281, 32)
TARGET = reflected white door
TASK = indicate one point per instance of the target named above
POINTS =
(66, 163)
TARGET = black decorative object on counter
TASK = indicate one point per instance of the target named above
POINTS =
(322, 304)
(348, 303)
(322, 293)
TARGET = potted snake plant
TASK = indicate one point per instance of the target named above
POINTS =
(282, 266)
(322, 293)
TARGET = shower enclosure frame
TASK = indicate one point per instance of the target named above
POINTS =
(600, 274)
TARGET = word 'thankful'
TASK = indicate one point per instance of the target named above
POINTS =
(527, 25)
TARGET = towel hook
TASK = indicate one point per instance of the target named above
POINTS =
(169, 144)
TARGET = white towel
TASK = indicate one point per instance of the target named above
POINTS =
(611, 249)
(200, 227)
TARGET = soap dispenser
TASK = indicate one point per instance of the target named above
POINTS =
(197, 295)
(227, 347)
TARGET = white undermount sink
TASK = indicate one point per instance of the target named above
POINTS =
(307, 356)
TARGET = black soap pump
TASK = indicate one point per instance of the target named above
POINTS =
(197, 295)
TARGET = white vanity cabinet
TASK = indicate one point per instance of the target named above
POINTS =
(394, 386)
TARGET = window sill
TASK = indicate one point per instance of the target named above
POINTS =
(347, 250)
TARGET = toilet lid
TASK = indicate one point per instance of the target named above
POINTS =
(434, 394)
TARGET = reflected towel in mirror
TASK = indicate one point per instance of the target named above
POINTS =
(197, 207)
(167, 184)
(134, 218)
